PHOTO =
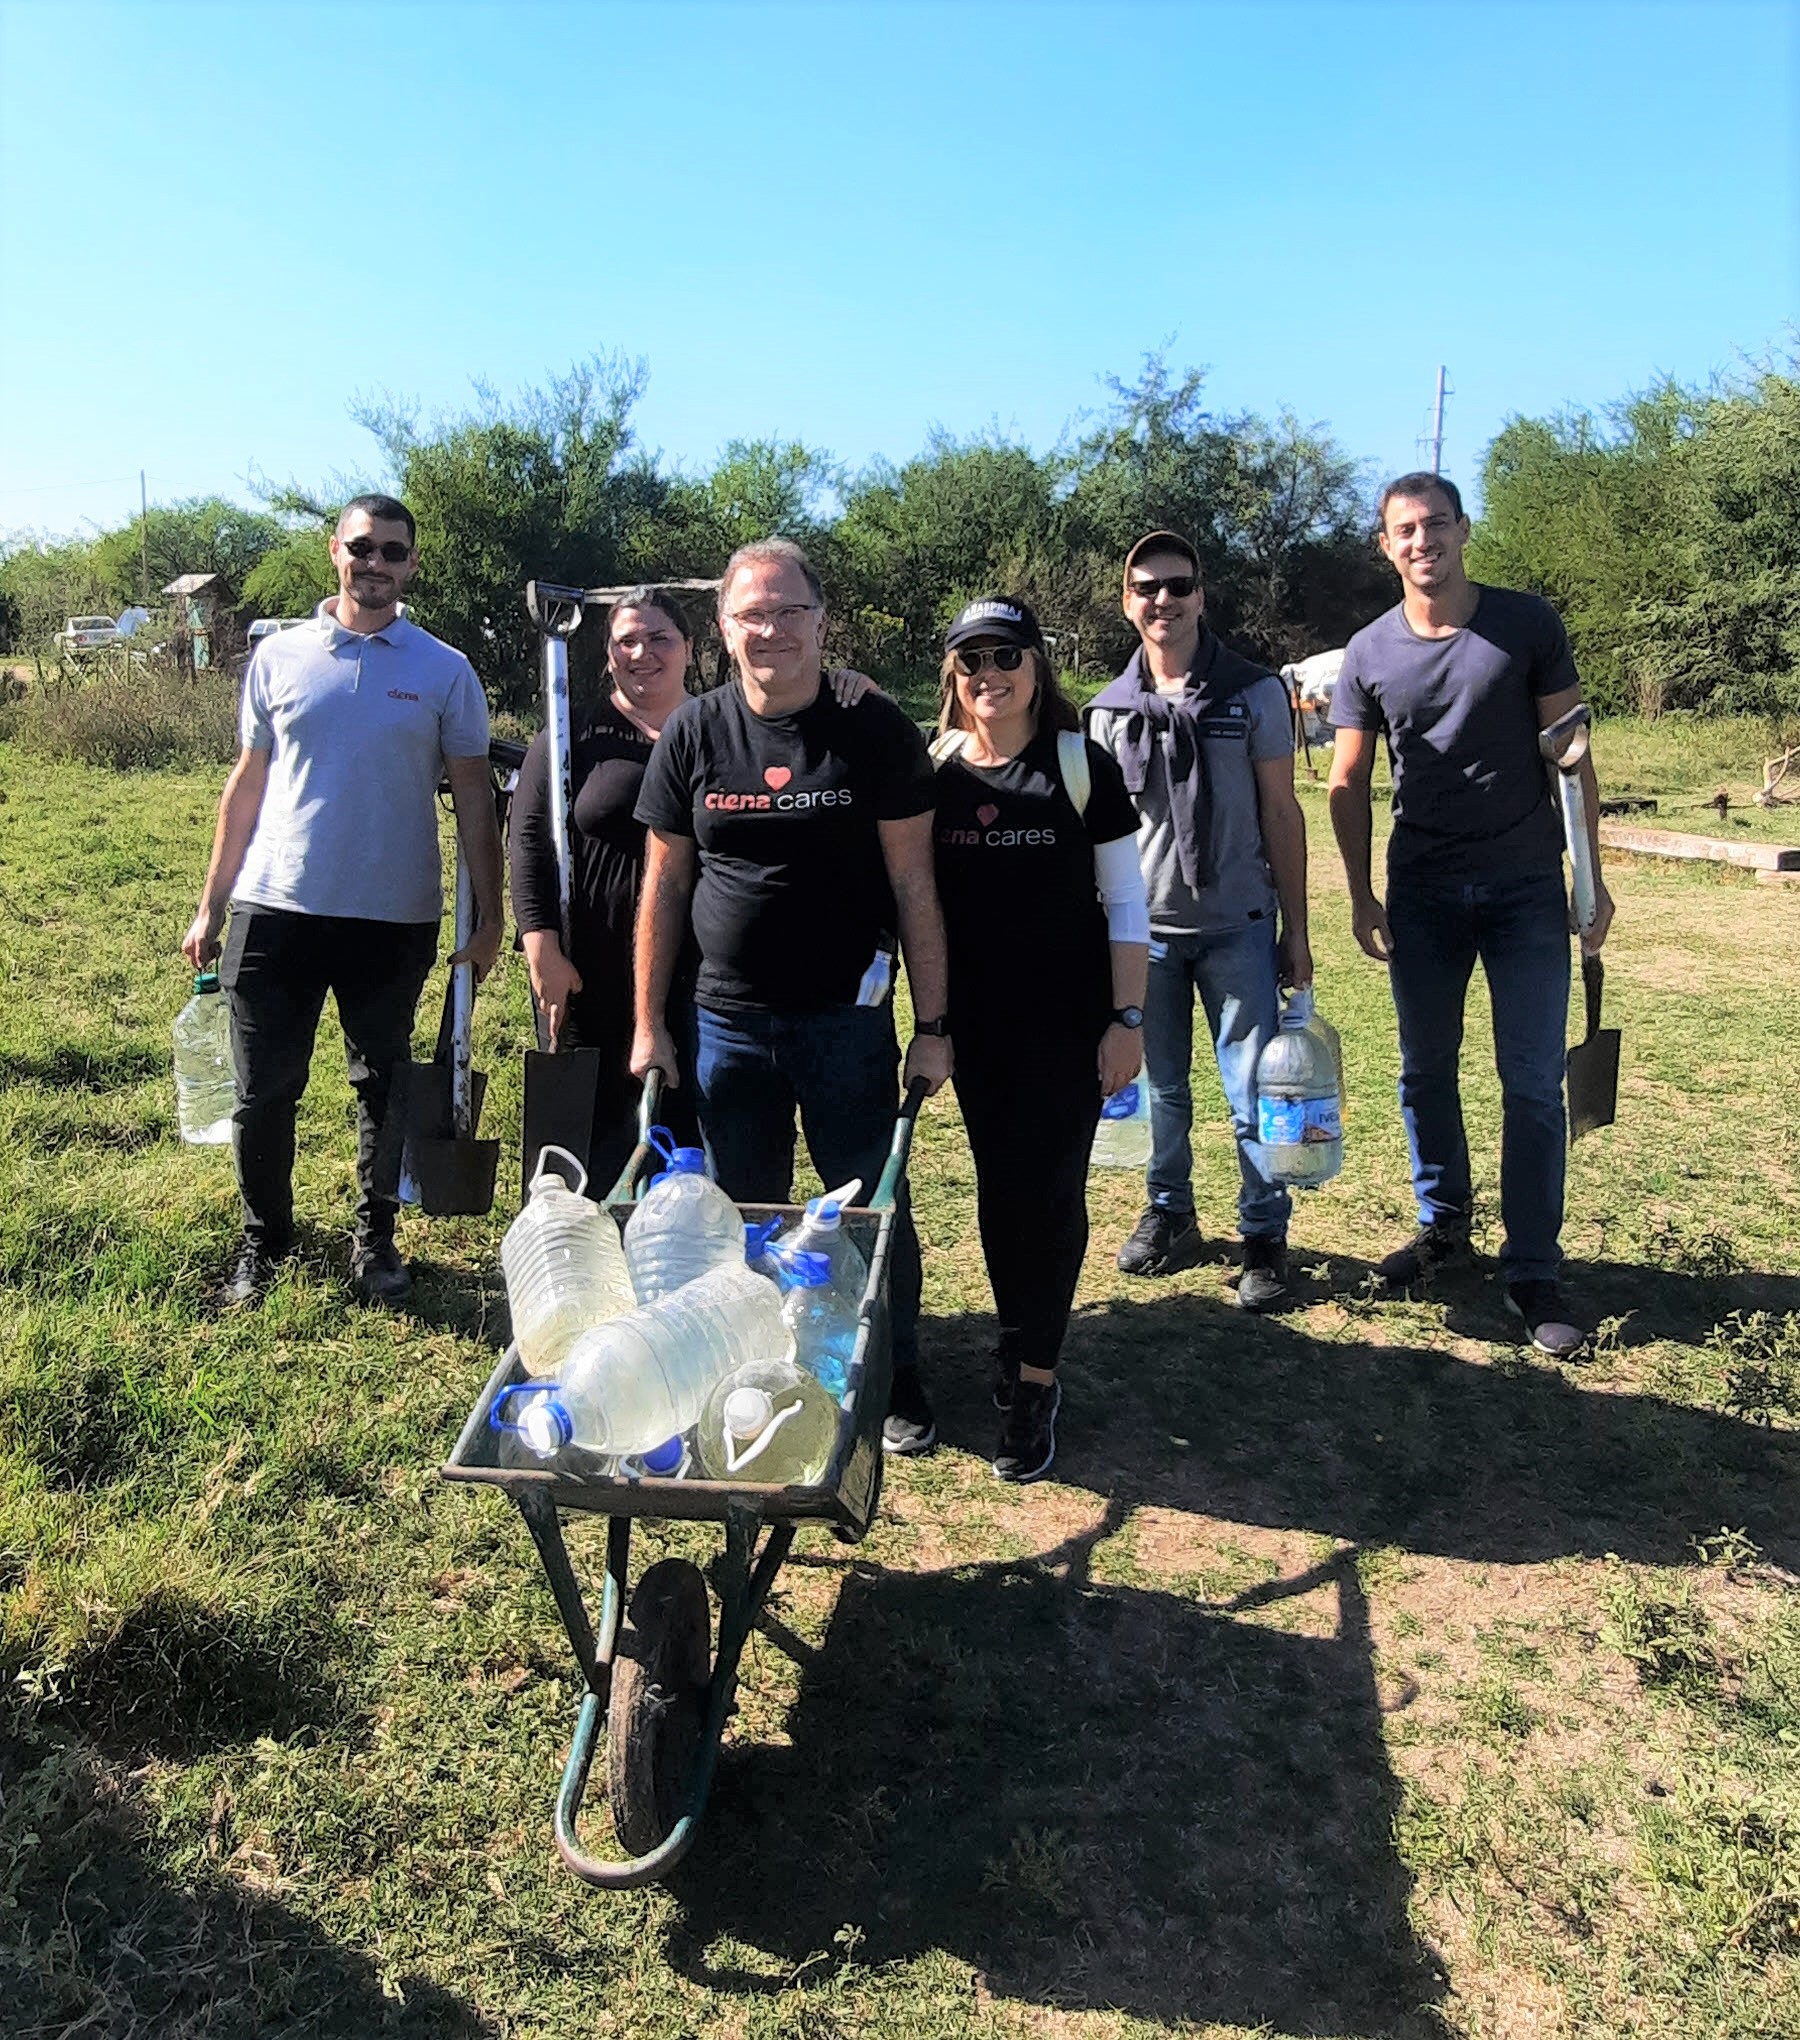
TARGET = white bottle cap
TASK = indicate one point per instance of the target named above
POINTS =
(747, 1412)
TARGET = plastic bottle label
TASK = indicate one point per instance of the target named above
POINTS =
(1122, 1104)
(1296, 1122)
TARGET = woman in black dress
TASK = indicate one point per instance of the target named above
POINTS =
(1048, 936)
(586, 998)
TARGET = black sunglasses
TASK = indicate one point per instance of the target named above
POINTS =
(1178, 585)
(1006, 659)
(393, 550)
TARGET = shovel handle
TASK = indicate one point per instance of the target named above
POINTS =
(1593, 984)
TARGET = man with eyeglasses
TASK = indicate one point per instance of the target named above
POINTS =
(798, 833)
(1206, 742)
(326, 853)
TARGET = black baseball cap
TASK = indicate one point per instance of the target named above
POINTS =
(1001, 617)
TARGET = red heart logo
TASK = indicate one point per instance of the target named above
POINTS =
(776, 776)
(985, 815)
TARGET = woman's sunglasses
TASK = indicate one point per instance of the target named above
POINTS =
(393, 550)
(1004, 659)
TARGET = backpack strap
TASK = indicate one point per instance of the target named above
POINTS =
(1077, 771)
(947, 744)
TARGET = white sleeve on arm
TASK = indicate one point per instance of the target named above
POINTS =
(1121, 881)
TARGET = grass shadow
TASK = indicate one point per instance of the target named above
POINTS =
(1100, 1797)
(106, 1942)
(1181, 1403)
(70, 1066)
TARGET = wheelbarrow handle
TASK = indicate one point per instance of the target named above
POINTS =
(644, 1152)
(900, 1147)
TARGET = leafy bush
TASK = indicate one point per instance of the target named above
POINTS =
(144, 716)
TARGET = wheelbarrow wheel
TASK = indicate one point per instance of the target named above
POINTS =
(656, 1715)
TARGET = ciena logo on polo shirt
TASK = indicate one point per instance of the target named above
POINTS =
(775, 796)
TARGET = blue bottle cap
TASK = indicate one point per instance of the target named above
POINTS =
(665, 1458)
(808, 1271)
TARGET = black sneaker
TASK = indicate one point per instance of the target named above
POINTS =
(1428, 1249)
(377, 1273)
(1005, 1372)
(252, 1277)
(909, 1428)
(1028, 1436)
(1545, 1315)
(1263, 1282)
(1160, 1242)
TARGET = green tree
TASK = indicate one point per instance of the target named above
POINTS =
(205, 535)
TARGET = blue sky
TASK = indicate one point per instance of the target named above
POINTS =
(220, 224)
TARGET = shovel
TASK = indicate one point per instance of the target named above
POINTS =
(1593, 1069)
(444, 1169)
(561, 1085)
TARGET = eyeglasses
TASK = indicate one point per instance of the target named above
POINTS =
(757, 621)
(393, 550)
(1003, 658)
(1178, 585)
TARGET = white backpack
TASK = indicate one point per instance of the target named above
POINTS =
(1071, 761)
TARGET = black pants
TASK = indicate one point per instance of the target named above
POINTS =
(276, 969)
(606, 1026)
(1030, 1107)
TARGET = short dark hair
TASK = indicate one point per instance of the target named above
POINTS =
(772, 552)
(1418, 485)
(647, 595)
(381, 510)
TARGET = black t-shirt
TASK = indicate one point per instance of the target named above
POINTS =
(792, 898)
(606, 840)
(1015, 874)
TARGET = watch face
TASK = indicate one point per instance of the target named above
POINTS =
(1130, 1016)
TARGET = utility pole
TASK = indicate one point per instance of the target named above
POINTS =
(1437, 424)
(144, 532)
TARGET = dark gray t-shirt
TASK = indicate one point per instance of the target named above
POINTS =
(1471, 798)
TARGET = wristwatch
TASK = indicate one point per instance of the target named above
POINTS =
(1129, 1016)
(940, 1028)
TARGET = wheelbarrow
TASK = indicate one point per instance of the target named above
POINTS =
(654, 1675)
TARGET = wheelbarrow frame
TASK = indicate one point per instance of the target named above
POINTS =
(760, 1520)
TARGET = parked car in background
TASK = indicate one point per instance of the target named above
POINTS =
(86, 634)
(267, 626)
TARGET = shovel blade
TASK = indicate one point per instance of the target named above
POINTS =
(1593, 1076)
(560, 1094)
(455, 1178)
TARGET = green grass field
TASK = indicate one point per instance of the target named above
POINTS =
(1360, 1674)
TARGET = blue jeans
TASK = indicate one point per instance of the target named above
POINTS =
(1235, 974)
(841, 1067)
(1519, 928)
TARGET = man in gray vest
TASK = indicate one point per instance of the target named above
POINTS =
(1206, 742)
(326, 853)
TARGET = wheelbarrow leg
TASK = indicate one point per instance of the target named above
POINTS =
(745, 1577)
(594, 1656)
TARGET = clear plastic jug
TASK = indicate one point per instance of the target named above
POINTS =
(205, 1081)
(683, 1226)
(822, 1231)
(1299, 1097)
(564, 1265)
(769, 1421)
(822, 1321)
(631, 1385)
(1122, 1139)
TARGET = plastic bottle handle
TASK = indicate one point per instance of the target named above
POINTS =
(536, 1388)
(574, 1162)
(735, 1464)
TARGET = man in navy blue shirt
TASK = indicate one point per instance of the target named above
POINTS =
(1460, 679)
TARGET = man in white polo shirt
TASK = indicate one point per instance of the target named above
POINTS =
(326, 852)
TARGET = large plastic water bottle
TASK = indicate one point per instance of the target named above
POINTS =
(1122, 1139)
(631, 1385)
(1299, 1097)
(565, 1267)
(205, 1084)
(822, 1231)
(821, 1320)
(683, 1226)
(768, 1421)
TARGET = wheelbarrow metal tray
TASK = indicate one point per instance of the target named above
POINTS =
(845, 1497)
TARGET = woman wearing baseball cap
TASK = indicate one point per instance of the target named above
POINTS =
(1048, 937)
